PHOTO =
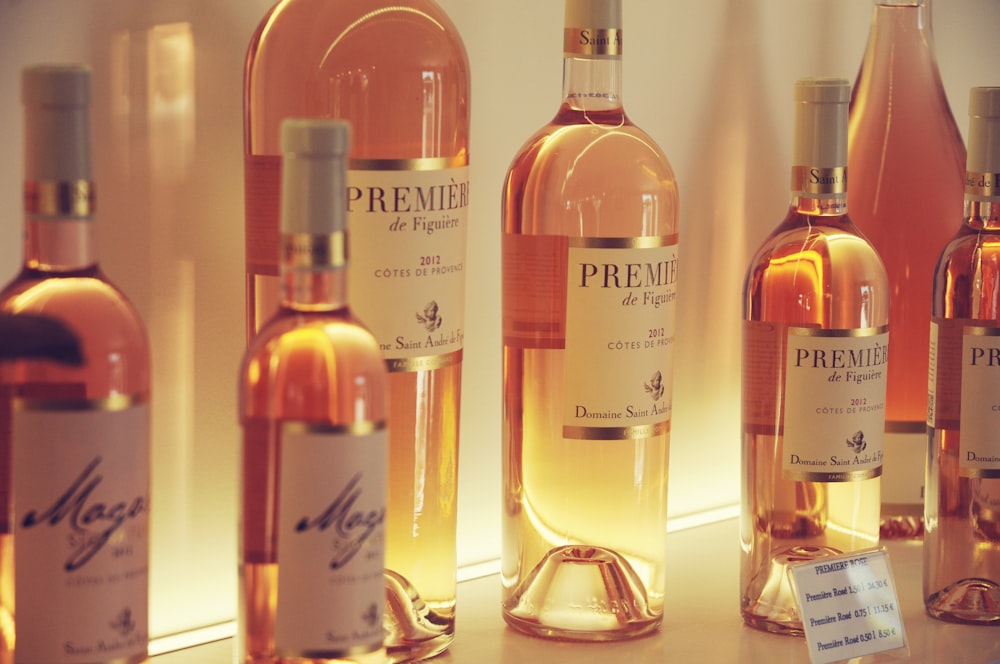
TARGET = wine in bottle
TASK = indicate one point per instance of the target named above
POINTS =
(962, 540)
(906, 160)
(589, 252)
(815, 343)
(74, 437)
(399, 73)
(313, 406)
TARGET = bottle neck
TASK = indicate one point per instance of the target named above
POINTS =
(314, 272)
(58, 230)
(592, 84)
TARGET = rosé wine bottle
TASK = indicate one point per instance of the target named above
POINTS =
(815, 335)
(74, 440)
(589, 250)
(906, 160)
(399, 73)
(962, 516)
(313, 406)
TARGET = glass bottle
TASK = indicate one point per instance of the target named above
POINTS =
(962, 540)
(399, 73)
(589, 253)
(906, 160)
(313, 390)
(74, 439)
(815, 335)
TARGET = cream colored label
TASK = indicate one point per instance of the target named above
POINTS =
(979, 445)
(81, 529)
(592, 42)
(331, 541)
(982, 186)
(835, 384)
(408, 228)
(620, 313)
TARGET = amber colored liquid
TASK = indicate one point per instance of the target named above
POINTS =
(962, 537)
(591, 174)
(116, 362)
(906, 162)
(811, 271)
(399, 73)
(320, 367)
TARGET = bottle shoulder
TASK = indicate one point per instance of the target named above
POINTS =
(579, 169)
(313, 366)
(817, 271)
(112, 336)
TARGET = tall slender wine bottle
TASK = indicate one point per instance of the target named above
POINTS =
(589, 284)
(962, 540)
(398, 72)
(815, 343)
(906, 160)
(313, 391)
(74, 440)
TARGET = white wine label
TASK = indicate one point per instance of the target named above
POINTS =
(81, 529)
(620, 316)
(408, 223)
(331, 541)
(849, 606)
(979, 445)
(835, 382)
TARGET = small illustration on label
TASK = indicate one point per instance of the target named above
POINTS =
(857, 442)
(654, 388)
(124, 623)
(430, 318)
(371, 615)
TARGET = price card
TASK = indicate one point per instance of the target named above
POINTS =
(849, 606)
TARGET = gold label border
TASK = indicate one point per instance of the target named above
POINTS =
(115, 402)
(617, 433)
(851, 476)
(423, 363)
(418, 164)
(361, 428)
(642, 242)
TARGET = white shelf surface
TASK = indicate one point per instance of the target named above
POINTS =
(701, 619)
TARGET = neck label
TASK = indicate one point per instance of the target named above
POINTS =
(592, 42)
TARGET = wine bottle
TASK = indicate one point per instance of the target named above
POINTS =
(589, 281)
(74, 437)
(962, 540)
(815, 343)
(906, 160)
(313, 407)
(399, 73)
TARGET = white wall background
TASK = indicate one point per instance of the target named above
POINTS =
(710, 80)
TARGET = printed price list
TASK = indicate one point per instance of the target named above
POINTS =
(848, 606)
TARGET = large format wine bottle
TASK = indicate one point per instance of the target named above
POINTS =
(906, 160)
(962, 540)
(74, 440)
(313, 390)
(398, 72)
(590, 211)
(815, 336)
